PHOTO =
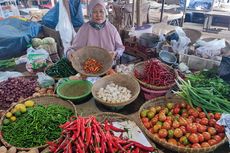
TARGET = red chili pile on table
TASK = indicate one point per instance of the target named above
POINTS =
(84, 135)
(92, 66)
(155, 73)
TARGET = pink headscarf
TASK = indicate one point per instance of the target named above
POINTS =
(93, 3)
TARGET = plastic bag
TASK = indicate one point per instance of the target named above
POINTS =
(181, 45)
(65, 27)
(210, 49)
(224, 69)
(8, 74)
(225, 121)
(37, 59)
(45, 80)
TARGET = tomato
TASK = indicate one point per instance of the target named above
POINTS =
(188, 107)
(210, 115)
(147, 125)
(193, 138)
(197, 120)
(176, 110)
(183, 104)
(184, 114)
(180, 144)
(166, 125)
(168, 118)
(204, 121)
(153, 109)
(175, 124)
(212, 142)
(144, 113)
(163, 133)
(212, 130)
(158, 108)
(169, 105)
(187, 134)
(205, 144)
(206, 135)
(192, 118)
(191, 127)
(196, 145)
(217, 138)
(162, 117)
(222, 135)
(156, 128)
(170, 133)
(200, 137)
(144, 119)
(164, 110)
(183, 140)
(183, 129)
(154, 121)
(201, 128)
(198, 109)
(219, 128)
(217, 116)
(159, 123)
(178, 133)
(150, 114)
(182, 121)
(195, 114)
(212, 122)
(202, 115)
(172, 141)
(190, 111)
(151, 130)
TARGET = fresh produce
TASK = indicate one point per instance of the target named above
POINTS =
(202, 97)
(92, 66)
(14, 89)
(211, 81)
(7, 63)
(88, 135)
(125, 69)
(61, 69)
(41, 91)
(155, 73)
(35, 125)
(113, 93)
(181, 125)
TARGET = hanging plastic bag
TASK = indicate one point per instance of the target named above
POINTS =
(45, 80)
(65, 27)
(224, 69)
(37, 59)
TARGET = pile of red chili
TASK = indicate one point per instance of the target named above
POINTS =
(92, 66)
(84, 135)
(156, 73)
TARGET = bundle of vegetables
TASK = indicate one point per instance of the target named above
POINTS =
(35, 126)
(210, 80)
(207, 98)
(156, 73)
(181, 125)
(7, 63)
(61, 69)
(92, 66)
(85, 135)
(13, 89)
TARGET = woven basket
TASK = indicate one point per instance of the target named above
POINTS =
(192, 34)
(99, 54)
(43, 100)
(162, 101)
(139, 67)
(121, 80)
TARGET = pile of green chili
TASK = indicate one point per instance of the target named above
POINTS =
(37, 126)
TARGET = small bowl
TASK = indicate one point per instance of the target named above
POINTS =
(121, 80)
(167, 57)
(73, 86)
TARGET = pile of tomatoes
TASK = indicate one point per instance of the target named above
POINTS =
(181, 125)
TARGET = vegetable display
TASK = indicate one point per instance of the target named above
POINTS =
(13, 89)
(33, 126)
(7, 63)
(92, 66)
(88, 135)
(113, 93)
(181, 125)
(61, 69)
(155, 73)
(203, 97)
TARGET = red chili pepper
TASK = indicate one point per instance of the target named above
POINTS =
(80, 142)
(128, 146)
(136, 150)
(116, 129)
(97, 150)
(109, 142)
(107, 125)
(141, 146)
(97, 137)
(83, 128)
(70, 148)
(79, 150)
(88, 136)
(62, 145)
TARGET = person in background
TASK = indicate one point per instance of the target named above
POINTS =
(98, 31)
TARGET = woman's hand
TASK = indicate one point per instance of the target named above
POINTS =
(113, 54)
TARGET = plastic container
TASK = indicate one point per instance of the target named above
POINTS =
(150, 93)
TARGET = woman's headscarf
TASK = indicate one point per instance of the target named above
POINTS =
(91, 5)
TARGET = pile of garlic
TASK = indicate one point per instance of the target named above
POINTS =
(113, 93)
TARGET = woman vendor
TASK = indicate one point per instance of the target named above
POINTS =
(98, 32)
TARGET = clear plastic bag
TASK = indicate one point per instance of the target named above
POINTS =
(45, 80)
(8, 74)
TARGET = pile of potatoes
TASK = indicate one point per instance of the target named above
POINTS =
(3, 149)
(41, 91)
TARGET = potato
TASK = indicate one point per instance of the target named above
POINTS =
(34, 150)
(12, 150)
(3, 149)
